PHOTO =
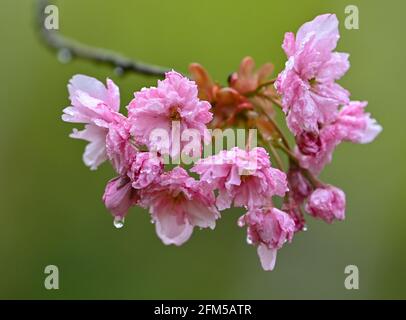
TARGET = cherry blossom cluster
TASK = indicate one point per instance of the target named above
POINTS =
(319, 114)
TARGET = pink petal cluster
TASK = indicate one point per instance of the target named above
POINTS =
(327, 203)
(318, 113)
(177, 204)
(174, 100)
(269, 229)
(310, 94)
(176, 201)
(243, 178)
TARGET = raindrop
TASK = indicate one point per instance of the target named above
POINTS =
(249, 240)
(152, 221)
(304, 228)
(64, 55)
(118, 222)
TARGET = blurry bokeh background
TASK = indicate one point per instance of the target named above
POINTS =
(50, 203)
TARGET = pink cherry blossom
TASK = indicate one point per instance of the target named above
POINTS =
(242, 177)
(178, 203)
(268, 229)
(310, 95)
(96, 106)
(174, 100)
(327, 203)
(119, 196)
(352, 124)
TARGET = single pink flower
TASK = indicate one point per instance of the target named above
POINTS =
(174, 101)
(242, 177)
(119, 196)
(327, 203)
(310, 95)
(178, 203)
(96, 106)
(269, 229)
(352, 124)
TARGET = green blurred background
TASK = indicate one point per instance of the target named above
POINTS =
(51, 209)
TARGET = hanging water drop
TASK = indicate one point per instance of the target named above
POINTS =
(249, 240)
(241, 221)
(64, 55)
(118, 222)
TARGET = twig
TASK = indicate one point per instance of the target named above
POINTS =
(58, 42)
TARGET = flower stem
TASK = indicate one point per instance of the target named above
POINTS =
(277, 158)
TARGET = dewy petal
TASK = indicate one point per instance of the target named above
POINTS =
(91, 86)
(95, 152)
(113, 93)
(371, 132)
(118, 197)
(223, 200)
(289, 45)
(357, 125)
(267, 257)
(325, 29)
(201, 215)
(335, 67)
(172, 229)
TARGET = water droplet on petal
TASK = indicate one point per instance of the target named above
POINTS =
(304, 228)
(249, 240)
(152, 221)
(64, 55)
(118, 222)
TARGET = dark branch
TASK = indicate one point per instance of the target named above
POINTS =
(73, 48)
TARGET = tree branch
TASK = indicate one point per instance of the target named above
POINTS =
(73, 48)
